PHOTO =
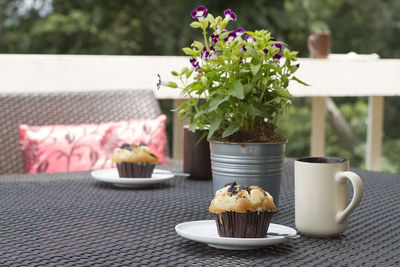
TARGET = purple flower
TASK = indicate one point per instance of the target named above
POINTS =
(265, 51)
(199, 12)
(206, 55)
(250, 39)
(159, 82)
(297, 65)
(231, 36)
(239, 31)
(195, 64)
(214, 38)
(230, 15)
(273, 39)
(280, 46)
(276, 57)
(234, 34)
(243, 49)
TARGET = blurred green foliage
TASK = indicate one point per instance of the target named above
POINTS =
(157, 27)
(356, 114)
(295, 125)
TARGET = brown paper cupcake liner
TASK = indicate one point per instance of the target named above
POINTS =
(250, 224)
(135, 170)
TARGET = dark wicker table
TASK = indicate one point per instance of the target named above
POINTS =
(69, 219)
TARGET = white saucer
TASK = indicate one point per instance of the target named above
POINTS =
(111, 176)
(206, 232)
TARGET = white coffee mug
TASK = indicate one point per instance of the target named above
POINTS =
(321, 190)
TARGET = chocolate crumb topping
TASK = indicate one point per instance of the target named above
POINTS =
(126, 147)
(242, 187)
(232, 188)
(233, 183)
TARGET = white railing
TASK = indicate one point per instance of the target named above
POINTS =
(336, 76)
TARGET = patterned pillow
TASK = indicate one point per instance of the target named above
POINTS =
(82, 147)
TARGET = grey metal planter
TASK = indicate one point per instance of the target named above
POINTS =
(248, 164)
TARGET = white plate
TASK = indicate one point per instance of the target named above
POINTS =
(112, 176)
(206, 232)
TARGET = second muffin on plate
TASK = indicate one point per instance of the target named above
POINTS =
(134, 161)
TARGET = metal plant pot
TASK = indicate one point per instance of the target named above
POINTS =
(248, 164)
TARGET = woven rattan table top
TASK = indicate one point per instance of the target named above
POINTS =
(69, 219)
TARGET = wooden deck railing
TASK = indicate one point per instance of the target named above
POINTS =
(336, 76)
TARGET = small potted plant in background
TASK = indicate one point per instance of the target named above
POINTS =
(319, 40)
(236, 86)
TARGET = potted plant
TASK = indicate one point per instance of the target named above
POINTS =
(319, 40)
(236, 88)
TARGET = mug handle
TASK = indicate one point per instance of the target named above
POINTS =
(357, 195)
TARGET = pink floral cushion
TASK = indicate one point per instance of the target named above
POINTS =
(82, 147)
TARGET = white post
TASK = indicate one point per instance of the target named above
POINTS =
(374, 133)
(318, 126)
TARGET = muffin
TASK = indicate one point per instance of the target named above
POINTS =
(242, 211)
(134, 161)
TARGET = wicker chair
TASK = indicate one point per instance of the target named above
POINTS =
(65, 108)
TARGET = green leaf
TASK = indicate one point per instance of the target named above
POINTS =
(293, 54)
(204, 80)
(222, 25)
(192, 127)
(300, 81)
(215, 102)
(282, 92)
(203, 24)
(255, 68)
(174, 73)
(201, 138)
(188, 73)
(286, 53)
(184, 70)
(182, 106)
(237, 90)
(198, 45)
(188, 51)
(181, 112)
(257, 110)
(186, 116)
(252, 110)
(214, 124)
(247, 88)
(210, 18)
(198, 114)
(195, 24)
(253, 53)
(232, 128)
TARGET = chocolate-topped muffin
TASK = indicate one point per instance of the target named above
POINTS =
(134, 161)
(242, 211)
